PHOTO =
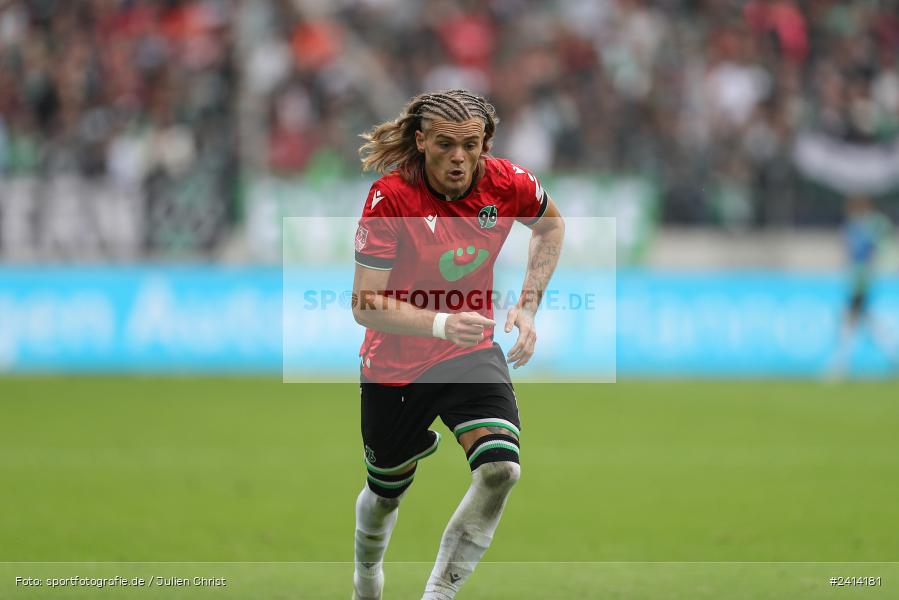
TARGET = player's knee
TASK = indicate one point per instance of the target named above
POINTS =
(496, 449)
(388, 504)
(389, 487)
(500, 475)
(370, 502)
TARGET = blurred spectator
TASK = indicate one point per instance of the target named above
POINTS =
(705, 96)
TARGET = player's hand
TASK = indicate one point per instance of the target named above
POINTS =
(466, 329)
(523, 350)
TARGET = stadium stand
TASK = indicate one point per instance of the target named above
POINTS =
(136, 120)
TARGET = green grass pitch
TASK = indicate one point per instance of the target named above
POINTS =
(632, 490)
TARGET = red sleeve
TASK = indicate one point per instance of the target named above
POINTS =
(530, 197)
(376, 234)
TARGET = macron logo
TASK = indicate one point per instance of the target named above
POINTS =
(431, 220)
(376, 198)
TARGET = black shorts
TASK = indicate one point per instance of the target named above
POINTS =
(395, 419)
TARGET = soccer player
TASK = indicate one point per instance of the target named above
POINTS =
(865, 234)
(434, 224)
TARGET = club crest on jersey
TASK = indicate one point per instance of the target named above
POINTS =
(487, 216)
(361, 238)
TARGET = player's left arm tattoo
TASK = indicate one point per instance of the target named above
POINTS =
(543, 256)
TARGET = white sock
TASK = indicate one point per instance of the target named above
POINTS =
(471, 528)
(375, 519)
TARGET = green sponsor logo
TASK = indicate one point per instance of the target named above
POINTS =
(456, 264)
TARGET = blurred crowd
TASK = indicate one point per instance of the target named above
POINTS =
(111, 87)
(112, 106)
(706, 97)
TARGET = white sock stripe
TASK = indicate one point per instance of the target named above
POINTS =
(399, 468)
(491, 445)
(390, 484)
(474, 424)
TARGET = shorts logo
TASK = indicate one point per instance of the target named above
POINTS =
(487, 216)
(361, 238)
(369, 455)
(459, 262)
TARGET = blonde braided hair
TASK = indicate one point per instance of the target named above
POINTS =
(391, 145)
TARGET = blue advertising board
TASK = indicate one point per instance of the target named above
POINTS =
(748, 324)
(140, 319)
(232, 320)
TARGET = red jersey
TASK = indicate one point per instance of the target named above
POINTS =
(440, 254)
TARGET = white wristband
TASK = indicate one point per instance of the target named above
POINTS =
(438, 329)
